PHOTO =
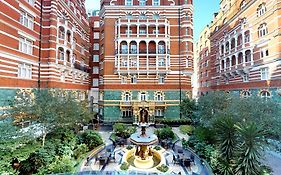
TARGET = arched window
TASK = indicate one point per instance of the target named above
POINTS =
(142, 16)
(127, 96)
(265, 94)
(261, 9)
(68, 55)
(216, 28)
(262, 30)
(245, 94)
(143, 96)
(60, 53)
(61, 32)
(247, 56)
(224, 21)
(68, 34)
(156, 16)
(159, 96)
(242, 5)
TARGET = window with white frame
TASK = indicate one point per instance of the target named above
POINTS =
(161, 79)
(61, 33)
(25, 71)
(95, 82)
(95, 70)
(96, 35)
(264, 53)
(246, 78)
(129, 2)
(262, 30)
(133, 79)
(156, 16)
(159, 96)
(96, 46)
(142, 16)
(159, 112)
(124, 62)
(142, 31)
(243, 4)
(31, 2)
(247, 37)
(96, 24)
(264, 73)
(265, 94)
(142, 2)
(245, 94)
(25, 45)
(127, 112)
(133, 62)
(127, 96)
(161, 62)
(60, 54)
(95, 58)
(261, 9)
(129, 16)
(156, 2)
(143, 96)
(74, 43)
(26, 19)
(123, 80)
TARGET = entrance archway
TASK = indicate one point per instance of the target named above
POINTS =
(143, 116)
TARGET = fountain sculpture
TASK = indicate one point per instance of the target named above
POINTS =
(144, 156)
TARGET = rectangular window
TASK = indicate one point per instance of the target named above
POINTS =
(159, 113)
(264, 73)
(127, 113)
(96, 35)
(31, 2)
(129, 2)
(25, 71)
(142, 2)
(142, 31)
(161, 62)
(96, 24)
(246, 78)
(96, 58)
(156, 2)
(96, 46)
(133, 80)
(161, 79)
(123, 80)
(25, 45)
(96, 82)
(95, 70)
(26, 19)
(264, 53)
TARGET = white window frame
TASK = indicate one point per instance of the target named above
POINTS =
(26, 19)
(95, 70)
(159, 112)
(96, 58)
(245, 78)
(161, 79)
(129, 2)
(31, 2)
(143, 96)
(156, 2)
(96, 46)
(25, 71)
(96, 24)
(142, 2)
(264, 73)
(96, 35)
(25, 45)
(261, 9)
(95, 82)
(134, 79)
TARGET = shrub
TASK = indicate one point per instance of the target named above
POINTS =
(124, 166)
(186, 129)
(157, 148)
(123, 131)
(62, 165)
(163, 168)
(129, 147)
(91, 139)
(166, 121)
(165, 133)
(80, 150)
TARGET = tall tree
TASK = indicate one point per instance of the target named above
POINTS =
(249, 150)
(49, 109)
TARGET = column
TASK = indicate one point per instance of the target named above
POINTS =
(146, 30)
(147, 66)
(138, 56)
(118, 54)
(244, 58)
(224, 64)
(236, 61)
(138, 30)
(156, 56)
(252, 57)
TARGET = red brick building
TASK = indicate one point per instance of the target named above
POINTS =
(146, 58)
(64, 58)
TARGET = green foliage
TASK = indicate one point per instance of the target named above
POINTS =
(188, 108)
(62, 165)
(80, 150)
(167, 121)
(122, 130)
(51, 109)
(129, 147)
(165, 133)
(163, 168)
(91, 139)
(124, 166)
(186, 129)
(205, 134)
(157, 148)
(251, 137)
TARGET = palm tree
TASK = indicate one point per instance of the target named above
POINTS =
(249, 150)
(227, 140)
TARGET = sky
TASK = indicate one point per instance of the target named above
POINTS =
(203, 13)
